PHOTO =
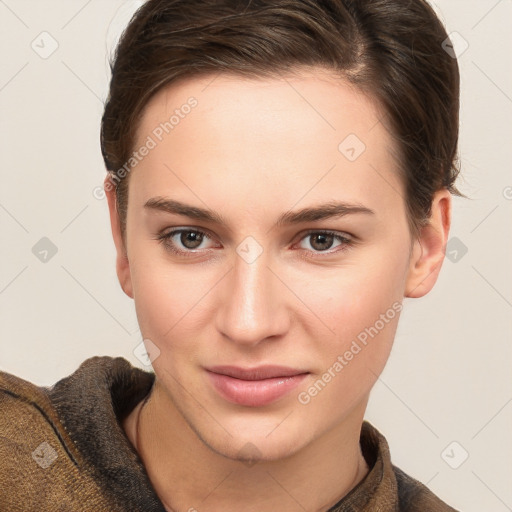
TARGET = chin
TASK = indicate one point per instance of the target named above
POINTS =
(255, 451)
(254, 446)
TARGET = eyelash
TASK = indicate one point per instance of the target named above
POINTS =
(165, 239)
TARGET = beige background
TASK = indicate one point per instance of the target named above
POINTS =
(448, 379)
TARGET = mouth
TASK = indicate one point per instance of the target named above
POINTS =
(254, 387)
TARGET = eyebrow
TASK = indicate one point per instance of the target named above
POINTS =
(310, 214)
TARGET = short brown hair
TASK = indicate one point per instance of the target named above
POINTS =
(390, 49)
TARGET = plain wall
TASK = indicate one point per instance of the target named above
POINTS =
(449, 376)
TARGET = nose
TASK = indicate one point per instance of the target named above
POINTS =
(252, 306)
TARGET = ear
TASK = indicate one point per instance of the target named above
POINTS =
(122, 263)
(429, 248)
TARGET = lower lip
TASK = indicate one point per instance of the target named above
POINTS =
(254, 393)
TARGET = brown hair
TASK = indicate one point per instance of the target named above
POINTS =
(390, 49)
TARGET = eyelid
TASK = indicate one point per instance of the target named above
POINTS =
(300, 236)
(346, 242)
(346, 239)
(165, 235)
(333, 232)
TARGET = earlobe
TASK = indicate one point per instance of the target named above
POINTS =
(428, 251)
(122, 262)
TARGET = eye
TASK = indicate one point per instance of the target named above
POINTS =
(322, 241)
(182, 241)
(187, 242)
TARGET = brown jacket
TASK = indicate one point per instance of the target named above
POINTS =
(63, 449)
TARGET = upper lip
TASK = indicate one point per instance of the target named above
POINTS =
(256, 373)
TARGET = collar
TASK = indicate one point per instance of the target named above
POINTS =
(93, 400)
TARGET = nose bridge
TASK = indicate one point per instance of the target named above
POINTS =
(252, 308)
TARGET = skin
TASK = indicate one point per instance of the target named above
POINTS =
(251, 150)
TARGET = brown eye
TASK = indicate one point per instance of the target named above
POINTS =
(321, 241)
(191, 239)
(184, 242)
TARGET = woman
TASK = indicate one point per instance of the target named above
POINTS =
(279, 179)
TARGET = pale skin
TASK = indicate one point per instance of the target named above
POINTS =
(252, 150)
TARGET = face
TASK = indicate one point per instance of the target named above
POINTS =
(266, 226)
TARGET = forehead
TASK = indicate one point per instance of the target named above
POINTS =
(303, 102)
(306, 134)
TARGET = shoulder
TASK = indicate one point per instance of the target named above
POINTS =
(20, 398)
(413, 496)
(34, 447)
(40, 457)
(388, 487)
(23, 405)
(101, 380)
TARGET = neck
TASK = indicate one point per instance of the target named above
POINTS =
(188, 475)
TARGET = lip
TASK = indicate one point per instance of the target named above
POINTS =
(254, 387)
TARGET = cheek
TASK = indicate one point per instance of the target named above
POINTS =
(349, 361)
(357, 310)
(348, 299)
(161, 297)
(173, 303)
(363, 325)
